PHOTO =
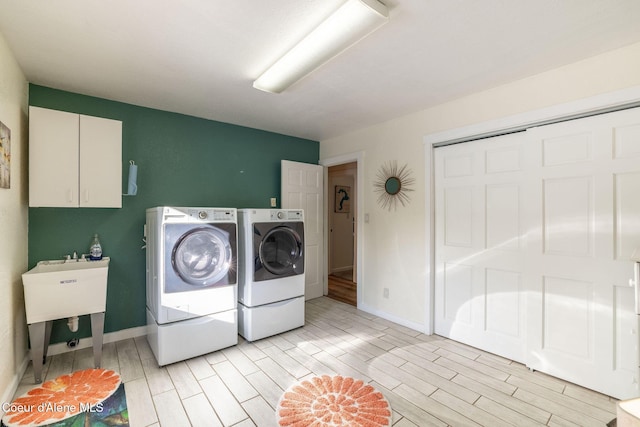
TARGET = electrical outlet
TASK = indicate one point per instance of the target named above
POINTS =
(385, 293)
(273, 202)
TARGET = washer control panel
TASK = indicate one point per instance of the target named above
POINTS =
(212, 214)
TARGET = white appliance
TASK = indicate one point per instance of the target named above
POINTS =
(271, 272)
(191, 281)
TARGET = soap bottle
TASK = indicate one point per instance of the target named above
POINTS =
(95, 250)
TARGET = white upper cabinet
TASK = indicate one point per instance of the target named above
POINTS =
(74, 160)
(100, 162)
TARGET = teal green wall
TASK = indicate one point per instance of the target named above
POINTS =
(182, 161)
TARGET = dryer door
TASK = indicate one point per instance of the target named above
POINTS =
(280, 252)
(201, 256)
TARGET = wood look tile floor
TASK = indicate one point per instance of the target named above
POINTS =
(428, 380)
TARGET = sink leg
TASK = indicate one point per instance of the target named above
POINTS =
(36, 338)
(97, 330)
(47, 338)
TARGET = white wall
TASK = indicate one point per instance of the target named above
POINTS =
(395, 249)
(13, 224)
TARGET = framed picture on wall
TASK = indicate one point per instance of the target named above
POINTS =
(342, 203)
(5, 156)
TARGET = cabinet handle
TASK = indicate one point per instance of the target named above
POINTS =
(70, 195)
(86, 195)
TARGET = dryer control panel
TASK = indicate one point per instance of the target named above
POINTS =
(286, 215)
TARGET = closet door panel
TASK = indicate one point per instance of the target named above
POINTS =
(479, 295)
(583, 177)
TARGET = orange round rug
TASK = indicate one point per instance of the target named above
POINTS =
(59, 400)
(333, 401)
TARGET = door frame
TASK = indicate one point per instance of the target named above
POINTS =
(357, 157)
(607, 102)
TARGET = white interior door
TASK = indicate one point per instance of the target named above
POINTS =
(302, 188)
(479, 244)
(583, 184)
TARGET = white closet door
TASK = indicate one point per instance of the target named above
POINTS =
(479, 261)
(583, 192)
(534, 234)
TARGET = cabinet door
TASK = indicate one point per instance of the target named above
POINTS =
(100, 162)
(53, 158)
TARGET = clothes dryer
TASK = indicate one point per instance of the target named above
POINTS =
(271, 272)
(191, 281)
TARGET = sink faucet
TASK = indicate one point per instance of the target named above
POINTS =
(70, 258)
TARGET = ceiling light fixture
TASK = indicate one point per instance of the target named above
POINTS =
(353, 21)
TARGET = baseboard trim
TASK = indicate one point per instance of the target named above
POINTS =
(400, 321)
(7, 396)
(341, 269)
(60, 348)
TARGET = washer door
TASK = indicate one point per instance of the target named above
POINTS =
(280, 253)
(201, 257)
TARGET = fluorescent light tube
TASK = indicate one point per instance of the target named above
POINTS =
(353, 21)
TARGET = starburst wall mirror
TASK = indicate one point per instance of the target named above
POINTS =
(393, 184)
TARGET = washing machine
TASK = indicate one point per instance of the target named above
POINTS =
(192, 286)
(270, 272)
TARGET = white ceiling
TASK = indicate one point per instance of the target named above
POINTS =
(200, 57)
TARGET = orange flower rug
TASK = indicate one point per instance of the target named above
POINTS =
(333, 401)
(92, 397)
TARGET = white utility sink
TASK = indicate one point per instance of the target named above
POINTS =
(58, 289)
(64, 288)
